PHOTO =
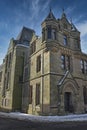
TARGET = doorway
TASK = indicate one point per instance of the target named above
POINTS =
(68, 102)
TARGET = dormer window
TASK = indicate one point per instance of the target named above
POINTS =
(65, 40)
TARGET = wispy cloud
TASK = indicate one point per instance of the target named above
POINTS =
(70, 10)
(37, 8)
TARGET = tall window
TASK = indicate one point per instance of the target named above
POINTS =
(43, 34)
(7, 81)
(30, 94)
(85, 94)
(83, 64)
(65, 62)
(68, 62)
(54, 34)
(33, 47)
(65, 40)
(49, 32)
(38, 67)
(38, 94)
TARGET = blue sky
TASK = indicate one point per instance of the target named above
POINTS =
(14, 14)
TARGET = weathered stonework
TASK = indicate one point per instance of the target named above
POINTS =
(49, 77)
(61, 90)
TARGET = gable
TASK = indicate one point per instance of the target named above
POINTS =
(67, 76)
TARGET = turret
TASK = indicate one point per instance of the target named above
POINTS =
(49, 27)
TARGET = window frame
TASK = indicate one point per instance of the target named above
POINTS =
(49, 36)
(65, 62)
(30, 94)
(65, 40)
(85, 94)
(37, 94)
(38, 63)
(33, 47)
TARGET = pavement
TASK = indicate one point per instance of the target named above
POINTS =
(34, 118)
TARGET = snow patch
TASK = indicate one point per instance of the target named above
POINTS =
(23, 116)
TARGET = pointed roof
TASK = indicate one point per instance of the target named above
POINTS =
(24, 30)
(50, 16)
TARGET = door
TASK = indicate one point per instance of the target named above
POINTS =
(68, 101)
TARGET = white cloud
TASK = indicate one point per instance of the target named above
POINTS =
(82, 27)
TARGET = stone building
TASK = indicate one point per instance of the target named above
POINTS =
(58, 69)
(13, 69)
(45, 75)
